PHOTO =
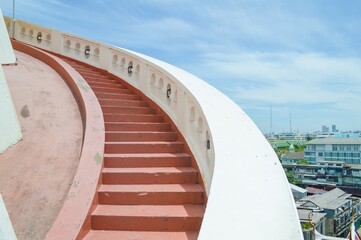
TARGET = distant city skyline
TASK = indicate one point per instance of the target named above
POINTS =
(303, 57)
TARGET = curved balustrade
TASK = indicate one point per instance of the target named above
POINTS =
(248, 193)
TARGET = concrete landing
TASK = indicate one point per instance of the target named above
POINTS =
(36, 173)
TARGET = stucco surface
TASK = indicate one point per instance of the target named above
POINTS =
(36, 173)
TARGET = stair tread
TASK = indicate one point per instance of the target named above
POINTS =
(150, 210)
(140, 235)
(151, 188)
(150, 170)
(147, 142)
(146, 155)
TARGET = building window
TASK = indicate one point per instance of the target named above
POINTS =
(342, 148)
(334, 148)
(348, 148)
(355, 148)
(320, 154)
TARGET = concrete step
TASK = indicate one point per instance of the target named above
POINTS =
(147, 160)
(119, 96)
(100, 79)
(127, 110)
(106, 84)
(153, 194)
(147, 217)
(137, 136)
(137, 126)
(140, 235)
(111, 90)
(144, 175)
(124, 103)
(143, 118)
(143, 147)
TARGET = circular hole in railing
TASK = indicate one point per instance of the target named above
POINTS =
(96, 52)
(31, 32)
(67, 43)
(160, 83)
(87, 51)
(115, 59)
(39, 37)
(208, 141)
(152, 79)
(122, 62)
(22, 31)
(175, 98)
(77, 46)
(48, 37)
(200, 125)
(169, 91)
(137, 69)
(192, 115)
(130, 68)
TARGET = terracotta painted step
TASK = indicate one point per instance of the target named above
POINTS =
(126, 136)
(127, 110)
(132, 118)
(117, 96)
(143, 147)
(137, 126)
(154, 194)
(147, 217)
(139, 235)
(106, 84)
(124, 103)
(102, 79)
(111, 90)
(86, 72)
(160, 175)
(147, 160)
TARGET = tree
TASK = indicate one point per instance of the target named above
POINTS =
(291, 178)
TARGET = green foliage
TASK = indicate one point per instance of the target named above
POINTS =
(291, 178)
(307, 225)
(303, 162)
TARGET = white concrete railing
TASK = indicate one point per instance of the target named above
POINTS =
(248, 193)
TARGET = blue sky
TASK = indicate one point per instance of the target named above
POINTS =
(298, 56)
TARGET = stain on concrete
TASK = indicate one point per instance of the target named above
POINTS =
(82, 84)
(98, 158)
(25, 113)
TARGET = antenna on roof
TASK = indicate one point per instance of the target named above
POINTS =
(290, 121)
(13, 27)
(270, 131)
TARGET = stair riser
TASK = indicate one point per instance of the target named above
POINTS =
(128, 110)
(113, 162)
(117, 96)
(150, 178)
(150, 198)
(126, 223)
(133, 118)
(114, 102)
(140, 137)
(163, 127)
(111, 90)
(100, 79)
(106, 85)
(144, 148)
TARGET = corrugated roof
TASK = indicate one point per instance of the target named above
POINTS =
(294, 155)
(335, 141)
(329, 200)
(316, 216)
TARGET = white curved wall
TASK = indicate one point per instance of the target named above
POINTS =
(10, 130)
(248, 193)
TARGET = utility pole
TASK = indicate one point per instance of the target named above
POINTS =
(290, 121)
(13, 27)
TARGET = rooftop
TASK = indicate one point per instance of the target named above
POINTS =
(330, 200)
(335, 141)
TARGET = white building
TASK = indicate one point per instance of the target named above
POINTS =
(346, 150)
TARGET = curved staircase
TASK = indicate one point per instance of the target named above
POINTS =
(149, 189)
